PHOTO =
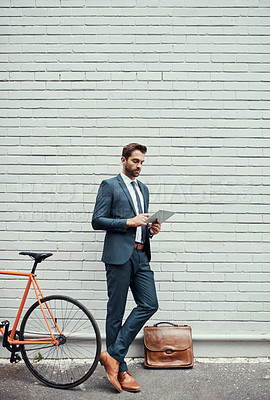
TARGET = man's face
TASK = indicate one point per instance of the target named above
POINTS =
(133, 165)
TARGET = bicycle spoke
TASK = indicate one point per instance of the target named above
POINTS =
(75, 357)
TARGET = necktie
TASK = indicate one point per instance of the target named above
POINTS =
(140, 210)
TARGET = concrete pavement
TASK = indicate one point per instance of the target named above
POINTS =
(210, 379)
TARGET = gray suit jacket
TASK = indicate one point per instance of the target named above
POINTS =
(113, 207)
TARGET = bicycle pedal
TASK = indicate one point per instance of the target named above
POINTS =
(3, 324)
(15, 358)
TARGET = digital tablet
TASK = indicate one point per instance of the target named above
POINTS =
(162, 215)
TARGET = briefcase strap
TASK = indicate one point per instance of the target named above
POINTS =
(169, 323)
(165, 322)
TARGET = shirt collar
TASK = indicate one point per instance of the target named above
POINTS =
(127, 180)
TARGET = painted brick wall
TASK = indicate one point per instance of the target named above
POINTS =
(189, 79)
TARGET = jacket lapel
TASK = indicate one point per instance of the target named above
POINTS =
(125, 189)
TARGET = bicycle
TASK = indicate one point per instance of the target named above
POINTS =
(59, 339)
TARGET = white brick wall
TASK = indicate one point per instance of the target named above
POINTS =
(189, 79)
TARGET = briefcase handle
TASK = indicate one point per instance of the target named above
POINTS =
(166, 322)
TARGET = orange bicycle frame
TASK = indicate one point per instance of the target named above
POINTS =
(31, 281)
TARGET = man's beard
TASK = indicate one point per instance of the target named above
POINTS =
(131, 172)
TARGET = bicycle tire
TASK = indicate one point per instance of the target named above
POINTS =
(73, 361)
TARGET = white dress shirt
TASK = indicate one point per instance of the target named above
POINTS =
(131, 190)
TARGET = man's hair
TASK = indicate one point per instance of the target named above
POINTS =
(129, 148)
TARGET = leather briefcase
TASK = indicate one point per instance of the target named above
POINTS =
(168, 346)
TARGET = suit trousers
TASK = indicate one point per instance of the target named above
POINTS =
(137, 275)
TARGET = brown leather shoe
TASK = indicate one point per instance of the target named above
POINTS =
(111, 366)
(128, 382)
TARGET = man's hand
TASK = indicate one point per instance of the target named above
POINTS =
(139, 220)
(155, 227)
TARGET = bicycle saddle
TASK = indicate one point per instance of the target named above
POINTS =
(38, 257)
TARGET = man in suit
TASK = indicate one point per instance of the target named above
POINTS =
(121, 210)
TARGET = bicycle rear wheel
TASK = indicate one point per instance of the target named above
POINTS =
(75, 358)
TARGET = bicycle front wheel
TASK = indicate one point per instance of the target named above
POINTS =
(75, 358)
